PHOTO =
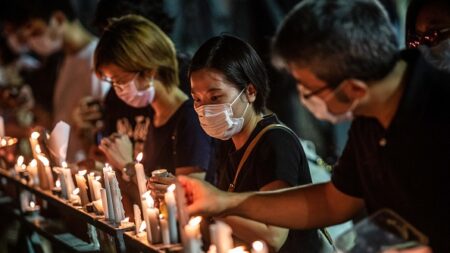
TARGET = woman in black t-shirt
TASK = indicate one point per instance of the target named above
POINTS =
(140, 62)
(229, 88)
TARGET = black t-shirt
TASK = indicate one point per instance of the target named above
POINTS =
(406, 167)
(178, 143)
(278, 155)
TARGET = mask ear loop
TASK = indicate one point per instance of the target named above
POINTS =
(237, 97)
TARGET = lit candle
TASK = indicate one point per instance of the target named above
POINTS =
(193, 236)
(74, 197)
(169, 199)
(90, 178)
(57, 189)
(119, 213)
(97, 185)
(68, 180)
(33, 142)
(18, 167)
(81, 183)
(140, 175)
(151, 219)
(98, 205)
(104, 203)
(137, 218)
(259, 247)
(48, 171)
(221, 236)
(109, 212)
(32, 169)
(164, 230)
(32, 208)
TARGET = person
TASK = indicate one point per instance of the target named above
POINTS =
(139, 60)
(428, 27)
(346, 55)
(51, 26)
(229, 86)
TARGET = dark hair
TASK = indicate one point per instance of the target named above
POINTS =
(237, 61)
(338, 39)
(414, 8)
(152, 10)
(40, 9)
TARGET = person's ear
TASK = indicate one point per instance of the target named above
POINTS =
(250, 93)
(354, 88)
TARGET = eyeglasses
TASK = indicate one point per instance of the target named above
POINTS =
(118, 83)
(429, 38)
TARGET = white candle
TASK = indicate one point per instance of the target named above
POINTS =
(33, 142)
(104, 203)
(164, 230)
(240, 249)
(221, 236)
(140, 175)
(81, 183)
(2, 127)
(169, 199)
(98, 205)
(74, 197)
(96, 185)
(90, 178)
(193, 236)
(32, 169)
(18, 167)
(110, 209)
(119, 212)
(259, 247)
(48, 171)
(137, 218)
(151, 219)
(68, 180)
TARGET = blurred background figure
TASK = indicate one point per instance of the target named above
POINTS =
(428, 27)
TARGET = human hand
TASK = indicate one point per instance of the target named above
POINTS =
(158, 185)
(88, 114)
(203, 199)
(118, 150)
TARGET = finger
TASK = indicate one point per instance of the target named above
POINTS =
(163, 180)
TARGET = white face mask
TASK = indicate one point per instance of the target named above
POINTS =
(133, 97)
(44, 44)
(217, 119)
(319, 109)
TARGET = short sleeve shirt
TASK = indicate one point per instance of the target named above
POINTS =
(406, 166)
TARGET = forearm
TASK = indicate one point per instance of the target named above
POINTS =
(300, 207)
(249, 231)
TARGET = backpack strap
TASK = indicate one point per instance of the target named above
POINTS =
(249, 150)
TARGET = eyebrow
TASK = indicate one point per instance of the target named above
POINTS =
(208, 91)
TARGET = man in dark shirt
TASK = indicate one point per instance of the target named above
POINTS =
(345, 57)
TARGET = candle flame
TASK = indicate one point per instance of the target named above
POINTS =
(38, 149)
(258, 245)
(97, 178)
(24, 167)
(139, 157)
(44, 160)
(33, 163)
(20, 160)
(32, 204)
(58, 183)
(161, 216)
(195, 221)
(92, 174)
(240, 249)
(171, 188)
(64, 165)
(11, 141)
(35, 135)
(3, 143)
(76, 191)
(142, 227)
(82, 172)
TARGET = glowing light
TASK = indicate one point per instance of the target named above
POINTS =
(64, 165)
(142, 227)
(32, 204)
(20, 160)
(58, 184)
(171, 188)
(82, 172)
(35, 135)
(195, 221)
(76, 191)
(139, 157)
